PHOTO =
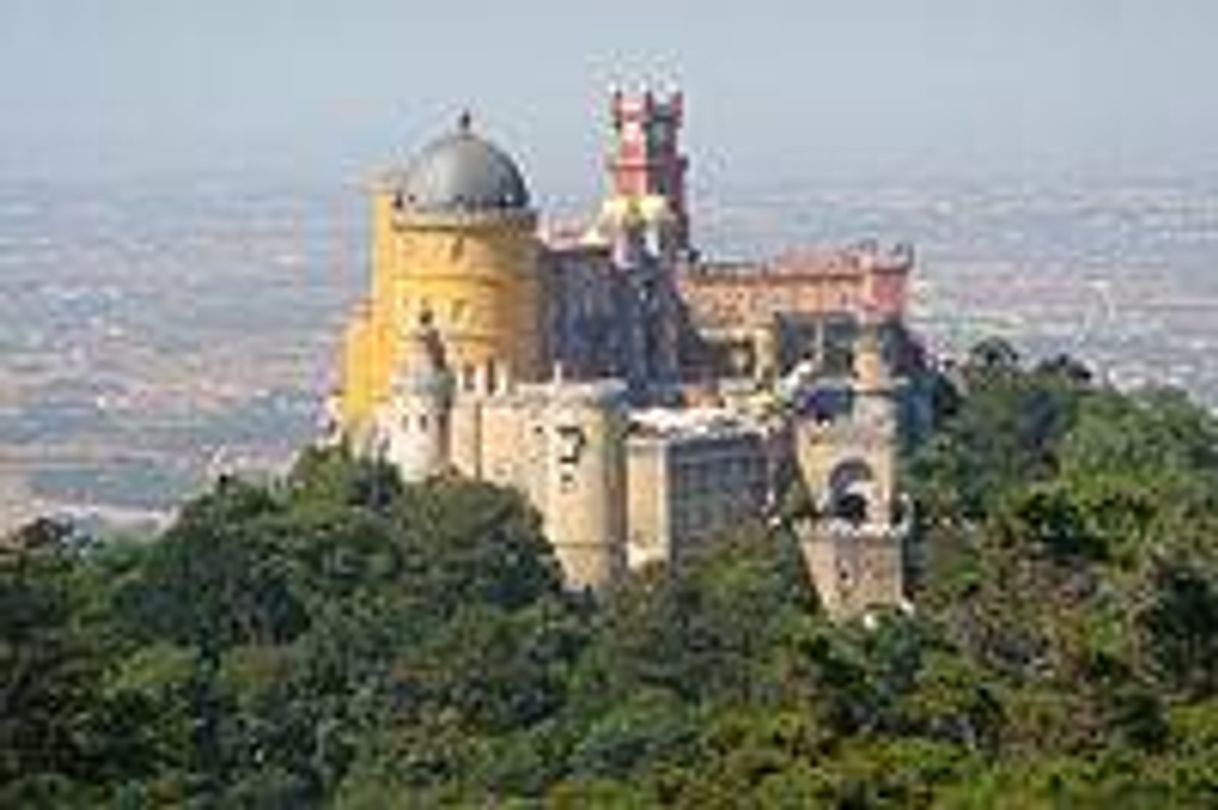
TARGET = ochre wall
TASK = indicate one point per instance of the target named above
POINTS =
(479, 278)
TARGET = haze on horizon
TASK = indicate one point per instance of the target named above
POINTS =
(788, 90)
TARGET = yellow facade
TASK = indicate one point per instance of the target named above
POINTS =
(476, 273)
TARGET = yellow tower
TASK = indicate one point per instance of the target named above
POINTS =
(454, 240)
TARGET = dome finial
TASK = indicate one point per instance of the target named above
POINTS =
(465, 121)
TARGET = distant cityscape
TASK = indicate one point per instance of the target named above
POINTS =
(153, 336)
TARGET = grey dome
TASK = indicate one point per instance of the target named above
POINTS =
(463, 172)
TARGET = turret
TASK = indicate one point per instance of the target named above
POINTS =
(583, 492)
(414, 425)
(645, 159)
(854, 546)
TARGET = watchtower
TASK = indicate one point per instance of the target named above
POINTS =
(854, 546)
(645, 158)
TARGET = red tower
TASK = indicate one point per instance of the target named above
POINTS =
(646, 156)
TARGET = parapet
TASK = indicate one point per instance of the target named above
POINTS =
(695, 422)
(647, 105)
(603, 392)
(863, 280)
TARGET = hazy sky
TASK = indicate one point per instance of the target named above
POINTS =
(796, 89)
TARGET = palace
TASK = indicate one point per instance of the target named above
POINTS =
(641, 397)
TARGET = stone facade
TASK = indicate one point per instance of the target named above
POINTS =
(759, 319)
(854, 543)
(692, 476)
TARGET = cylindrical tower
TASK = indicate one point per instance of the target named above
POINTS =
(466, 251)
(453, 236)
(416, 421)
(583, 496)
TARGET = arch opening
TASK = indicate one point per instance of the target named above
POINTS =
(850, 492)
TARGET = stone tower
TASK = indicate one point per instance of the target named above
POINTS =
(582, 492)
(413, 426)
(854, 546)
(646, 158)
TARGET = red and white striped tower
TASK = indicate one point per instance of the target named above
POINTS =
(645, 158)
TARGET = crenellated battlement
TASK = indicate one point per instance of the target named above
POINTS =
(647, 106)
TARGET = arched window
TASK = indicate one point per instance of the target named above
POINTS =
(851, 507)
(850, 491)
